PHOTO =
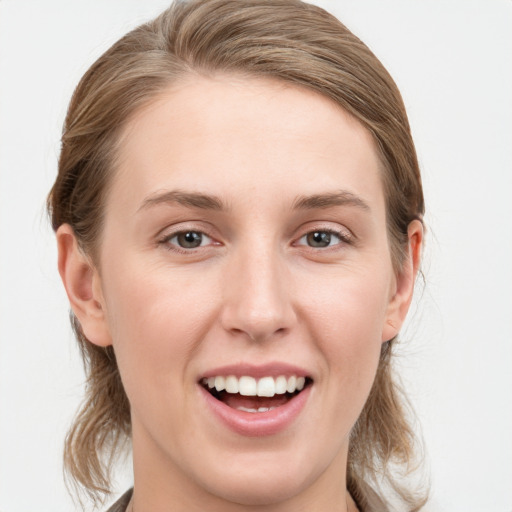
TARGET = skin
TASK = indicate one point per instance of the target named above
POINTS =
(255, 291)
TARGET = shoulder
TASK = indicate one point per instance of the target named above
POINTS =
(121, 504)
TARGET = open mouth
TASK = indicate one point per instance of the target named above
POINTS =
(253, 395)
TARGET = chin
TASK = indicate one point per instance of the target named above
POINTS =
(262, 482)
(267, 489)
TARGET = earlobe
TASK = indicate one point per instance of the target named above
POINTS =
(83, 287)
(402, 297)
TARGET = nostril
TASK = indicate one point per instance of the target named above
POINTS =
(259, 334)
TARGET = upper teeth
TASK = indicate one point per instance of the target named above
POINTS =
(249, 386)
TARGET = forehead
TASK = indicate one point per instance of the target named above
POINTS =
(234, 135)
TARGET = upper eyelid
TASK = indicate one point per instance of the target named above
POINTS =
(343, 238)
(181, 232)
(326, 226)
(166, 238)
(200, 226)
(182, 227)
(340, 233)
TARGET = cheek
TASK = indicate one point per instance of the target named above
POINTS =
(157, 318)
(349, 308)
(346, 318)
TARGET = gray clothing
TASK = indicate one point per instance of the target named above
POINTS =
(121, 504)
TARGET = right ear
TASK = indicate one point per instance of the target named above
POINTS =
(82, 282)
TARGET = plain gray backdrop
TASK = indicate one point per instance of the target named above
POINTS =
(452, 61)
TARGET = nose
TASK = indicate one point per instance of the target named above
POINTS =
(258, 296)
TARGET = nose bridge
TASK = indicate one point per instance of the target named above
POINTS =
(257, 293)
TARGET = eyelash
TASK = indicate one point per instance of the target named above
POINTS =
(344, 237)
(166, 241)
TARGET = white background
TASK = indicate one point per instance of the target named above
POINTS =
(453, 63)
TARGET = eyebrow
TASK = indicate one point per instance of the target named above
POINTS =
(211, 202)
(319, 201)
(189, 199)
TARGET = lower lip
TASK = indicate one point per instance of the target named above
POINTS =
(258, 424)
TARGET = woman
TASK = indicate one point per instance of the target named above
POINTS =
(238, 215)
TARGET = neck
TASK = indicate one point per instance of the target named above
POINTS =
(350, 505)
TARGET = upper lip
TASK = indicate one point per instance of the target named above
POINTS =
(273, 369)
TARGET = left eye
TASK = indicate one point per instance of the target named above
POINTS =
(320, 239)
(189, 239)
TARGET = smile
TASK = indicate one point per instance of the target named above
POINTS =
(232, 391)
(260, 402)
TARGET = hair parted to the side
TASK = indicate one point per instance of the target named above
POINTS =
(286, 40)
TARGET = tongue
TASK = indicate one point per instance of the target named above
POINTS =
(253, 402)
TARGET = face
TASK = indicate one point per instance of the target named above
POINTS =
(245, 247)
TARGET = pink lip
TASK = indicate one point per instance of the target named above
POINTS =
(257, 371)
(257, 424)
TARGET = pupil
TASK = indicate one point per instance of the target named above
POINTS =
(190, 239)
(319, 239)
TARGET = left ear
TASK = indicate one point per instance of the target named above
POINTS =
(404, 289)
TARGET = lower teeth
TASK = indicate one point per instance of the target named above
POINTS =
(260, 409)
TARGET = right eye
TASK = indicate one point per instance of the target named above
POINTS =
(321, 239)
(188, 240)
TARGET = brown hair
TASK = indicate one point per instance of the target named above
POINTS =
(282, 39)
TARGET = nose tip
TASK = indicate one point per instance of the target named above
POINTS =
(257, 325)
(258, 303)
